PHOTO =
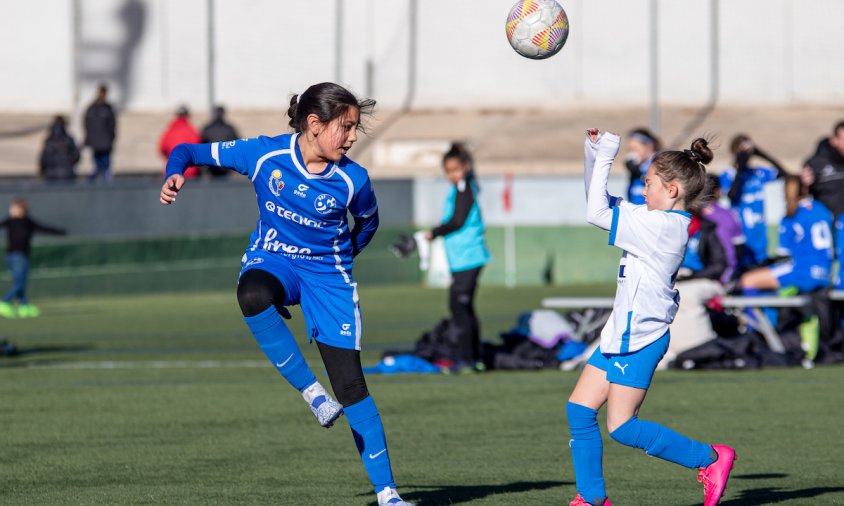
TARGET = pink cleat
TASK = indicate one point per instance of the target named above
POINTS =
(580, 501)
(714, 476)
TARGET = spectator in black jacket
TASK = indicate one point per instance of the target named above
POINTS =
(218, 130)
(100, 131)
(824, 171)
(19, 230)
(60, 154)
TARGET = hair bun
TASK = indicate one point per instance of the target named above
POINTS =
(700, 151)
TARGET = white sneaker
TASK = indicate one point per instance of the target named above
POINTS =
(325, 409)
(390, 497)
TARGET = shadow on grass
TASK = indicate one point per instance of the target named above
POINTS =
(464, 493)
(758, 476)
(12, 353)
(773, 495)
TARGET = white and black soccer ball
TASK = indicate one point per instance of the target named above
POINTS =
(537, 29)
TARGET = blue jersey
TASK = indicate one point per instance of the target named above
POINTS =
(302, 216)
(807, 238)
(751, 207)
(692, 260)
(637, 185)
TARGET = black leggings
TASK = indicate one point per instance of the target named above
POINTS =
(259, 290)
(461, 301)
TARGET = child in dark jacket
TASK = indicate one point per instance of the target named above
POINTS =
(19, 230)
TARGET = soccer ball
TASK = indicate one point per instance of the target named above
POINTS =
(537, 29)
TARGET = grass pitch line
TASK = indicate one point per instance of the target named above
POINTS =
(156, 364)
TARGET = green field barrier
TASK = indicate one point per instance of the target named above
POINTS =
(544, 255)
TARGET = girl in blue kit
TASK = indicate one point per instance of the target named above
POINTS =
(653, 240)
(301, 252)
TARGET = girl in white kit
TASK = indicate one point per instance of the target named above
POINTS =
(653, 240)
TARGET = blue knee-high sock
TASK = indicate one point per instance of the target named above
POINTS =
(587, 451)
(662, 442)
(369, 436)
(280, 347)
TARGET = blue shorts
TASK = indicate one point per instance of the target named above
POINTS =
(805, 280)
(330, 303)
(634, 369)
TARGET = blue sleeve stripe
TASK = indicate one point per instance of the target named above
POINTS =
(613, 226)
(614, 201)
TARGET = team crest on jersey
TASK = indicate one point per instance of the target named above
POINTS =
(276, 184)
(325, 203)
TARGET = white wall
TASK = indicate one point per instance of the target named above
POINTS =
(37, 55)
(155, 52)
(542, 200)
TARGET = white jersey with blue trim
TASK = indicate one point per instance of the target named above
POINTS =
(301, 215)
(653, 244)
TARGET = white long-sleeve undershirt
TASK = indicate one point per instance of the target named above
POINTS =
(598, 200)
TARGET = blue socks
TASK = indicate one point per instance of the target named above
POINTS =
(657, 441)
(662, 442)
(587, 451)
(280, 347)
(368, 431)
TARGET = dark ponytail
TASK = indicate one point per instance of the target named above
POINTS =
(328, 101)
(688, 168)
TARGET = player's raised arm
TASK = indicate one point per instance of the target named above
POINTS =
(590, 148)
(598, 202)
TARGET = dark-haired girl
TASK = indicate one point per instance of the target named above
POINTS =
(653, 240)
(301, 252)
(462, 230)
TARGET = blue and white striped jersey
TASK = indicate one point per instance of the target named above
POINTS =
(302, 216)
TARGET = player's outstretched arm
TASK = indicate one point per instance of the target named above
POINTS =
(598, 209)
(590, 148)
(171, 187)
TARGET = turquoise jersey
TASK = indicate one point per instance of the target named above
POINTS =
(465, 248)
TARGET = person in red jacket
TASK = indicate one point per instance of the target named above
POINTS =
(179, 131)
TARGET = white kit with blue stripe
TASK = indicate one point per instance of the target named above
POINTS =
(653, 244)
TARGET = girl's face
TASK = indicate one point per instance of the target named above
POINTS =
(658, 194)
(335, 138)
(455, 169)
(639, 151)
(17, 211)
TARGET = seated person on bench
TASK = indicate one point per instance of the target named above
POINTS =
(806, 241)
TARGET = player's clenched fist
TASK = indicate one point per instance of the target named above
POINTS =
(171, 187)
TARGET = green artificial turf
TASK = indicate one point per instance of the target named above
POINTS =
(166, 399)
